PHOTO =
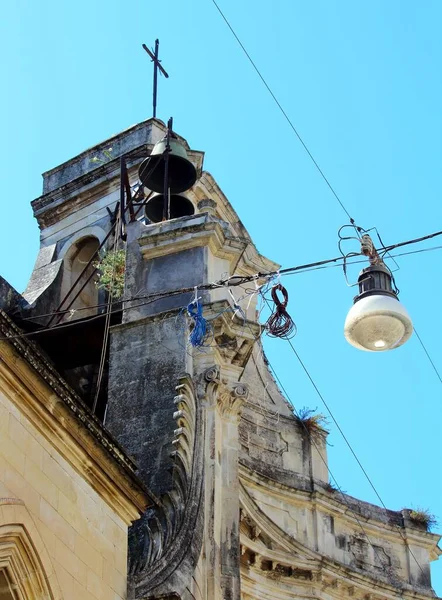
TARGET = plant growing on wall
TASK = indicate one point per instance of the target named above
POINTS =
(111, 269)
(107, 153)
(422, 516)
(314, 423)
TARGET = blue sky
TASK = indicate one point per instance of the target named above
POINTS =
(362, 83)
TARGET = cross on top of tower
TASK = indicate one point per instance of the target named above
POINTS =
(157, 65)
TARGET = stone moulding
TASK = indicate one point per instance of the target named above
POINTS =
(50, 404)
(271, 555)
(24, 560)
(230, 401)
(194, 231)
(164, 545)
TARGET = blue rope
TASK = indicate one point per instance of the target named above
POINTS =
(198, 333)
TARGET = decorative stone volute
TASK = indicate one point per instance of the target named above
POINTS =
(207, 205)
(230, 400)
(212, 374)
(228, 396)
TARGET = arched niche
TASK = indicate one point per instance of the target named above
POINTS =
(26, 571)
(75, 260)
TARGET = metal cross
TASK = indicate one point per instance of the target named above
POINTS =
(157, 65)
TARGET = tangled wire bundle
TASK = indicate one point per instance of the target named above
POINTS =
(199, 331)
(280, 324)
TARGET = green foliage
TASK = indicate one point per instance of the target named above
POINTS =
(111, 269)
(422, 516)
(107, 154)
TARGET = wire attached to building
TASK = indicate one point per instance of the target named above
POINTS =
(233, 281)
(304, 145)
(199, 330)
(108, 317)
(280, 324)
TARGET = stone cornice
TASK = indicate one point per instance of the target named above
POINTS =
(32, 383)
(325, 572)
(204, 230)
(331, 504)
(206, 186)
(191, 232)
(73, 183)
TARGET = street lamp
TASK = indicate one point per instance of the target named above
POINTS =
(377, 321)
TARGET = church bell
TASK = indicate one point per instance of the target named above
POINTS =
(182, 173)
(180, 206)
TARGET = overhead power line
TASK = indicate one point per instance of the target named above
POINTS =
(428, 355)
(239, 280)
(304, 145)
(327, 406)
(343, 497)
(281, 109)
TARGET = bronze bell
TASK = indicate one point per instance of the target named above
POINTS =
(182, 173)
(180, 206)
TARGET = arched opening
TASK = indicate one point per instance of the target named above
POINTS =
(85, 291)
(24, 561)
(6, 587)
(77, 349)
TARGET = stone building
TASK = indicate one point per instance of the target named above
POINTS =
(239, 503)
(68, 492)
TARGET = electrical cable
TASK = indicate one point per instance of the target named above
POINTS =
(428, 355)
(199, 330)
(350, 447)
(152, 299)
(386, 248)
(287, 118)
(108, 317)
(112, 229)
(344, 499)
(235, 281)
(280, 324)
(289, 121)
(358, 262)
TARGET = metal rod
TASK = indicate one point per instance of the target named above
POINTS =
(155, 79)
(156, 66)
(80, 276)
(122, 198)
(152, 56)
(166, 205)
(126, 184)
(95, 254)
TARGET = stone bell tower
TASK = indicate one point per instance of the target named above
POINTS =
(243, 507)
(177, 408)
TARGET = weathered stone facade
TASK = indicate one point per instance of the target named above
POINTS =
(67, 491)
(242, 506)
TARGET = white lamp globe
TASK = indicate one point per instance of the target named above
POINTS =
(377, 321)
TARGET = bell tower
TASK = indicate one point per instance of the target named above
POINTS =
(173, 405)
(77, 215)
(242, 506)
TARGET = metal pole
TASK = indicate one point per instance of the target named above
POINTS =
(122, 203)
(155, 78)
(166, 206)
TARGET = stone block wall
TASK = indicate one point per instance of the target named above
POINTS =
(80, 541)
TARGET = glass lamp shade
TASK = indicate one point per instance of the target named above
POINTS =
(377, 323)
